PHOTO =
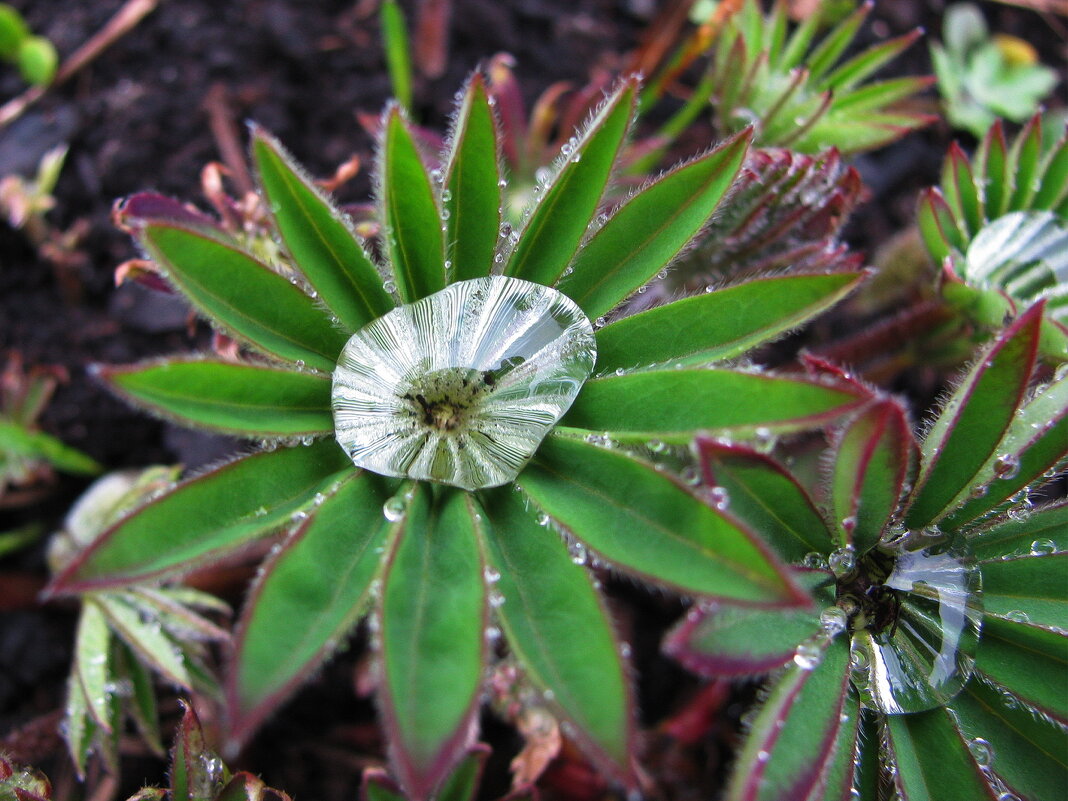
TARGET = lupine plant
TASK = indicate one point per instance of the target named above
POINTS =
(934, 654)
(449, 424)
(998, 226)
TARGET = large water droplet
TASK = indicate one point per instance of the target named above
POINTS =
(461, 386)
(920, 653)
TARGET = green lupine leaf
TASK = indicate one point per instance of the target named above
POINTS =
(1027, 754)
(471, 199)
(958, 183)
(1052, 192)
(1024, 157)
(462, 784)
(142, 705)
(993, 168)
(848, 74)
(398, 58)
(719, 325)
(672, 404)
(649, 230)
(145, 637)
(244, 399)
(974, 420)
(1029, 661)
(378, 786)
(930, 756)
(720, 639)
(1036, 442)
(648, 523)
(192, 773)
(244, 297)
(794, 735)
(432, 651)
(91, 662)
(872, 458)
(797, 45)
(767, 498)
(1033, 585)
(80, 726)
(877, 96)
(409, 213)
(938, 226)
(15, 440)
(827, 52)
(320, 240)
(1016, 535)
(308, 597)
(559, 630)
(555, 226)
(219, 511)
(836, 783)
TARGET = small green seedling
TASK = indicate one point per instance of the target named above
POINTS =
(35, 56)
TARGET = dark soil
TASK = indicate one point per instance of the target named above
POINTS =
(136, 119)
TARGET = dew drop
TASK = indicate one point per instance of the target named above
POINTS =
(491, 574)
(389, 286)
(1043, 548)
(496, 600)
(542, 519)
(808, 655)
(394, 509)
(982, 751)
(600, 322)
(1007, 466)
(834, 620)
(1018, 616)
(720, 498)
(842, 562)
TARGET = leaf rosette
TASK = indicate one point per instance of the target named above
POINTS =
(452, 337)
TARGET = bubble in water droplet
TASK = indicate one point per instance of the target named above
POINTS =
(462, 386)
(834, 620)
(1007, 466)
(394, 509)
(808, 655)
(842, 562)
(1043, 547)
(982, 751)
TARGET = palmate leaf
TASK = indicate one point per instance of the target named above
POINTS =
(974, 421)
(244, 399)
(671, 404)
(649, 230)
(220, 511)
(640, 519)
(433, 610)
(557, 627)
(244, 297)
(719, 325)
(309, 595)
(794, 736)
(554, 227)
(320, 241)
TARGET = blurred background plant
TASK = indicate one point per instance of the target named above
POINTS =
(35, 56)
(983, 76)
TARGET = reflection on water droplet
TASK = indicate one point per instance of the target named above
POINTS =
(834, 620)
(1007, 466)
(393, 509)
(461, 386)
(922, 653)
(1043, 547)
(1016, 616)
(808, 654)
(982, 751)
(842, 562)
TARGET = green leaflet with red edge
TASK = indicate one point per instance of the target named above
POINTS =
(252, 400)
(673, 404)
(471, 198)
(218, 511)
(320, 240)
(650, 229)
(767, 498)
(651, 525)
(243, 297)
(433, 616)
(307, 598)
(1032, 585)
(1016, 534)
(974, 420)
(872, 458)
(1029, 661)
(559, 631)
(409, 213)
(719, 325)
(553, 230)
(794, 735)
(931, 756)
